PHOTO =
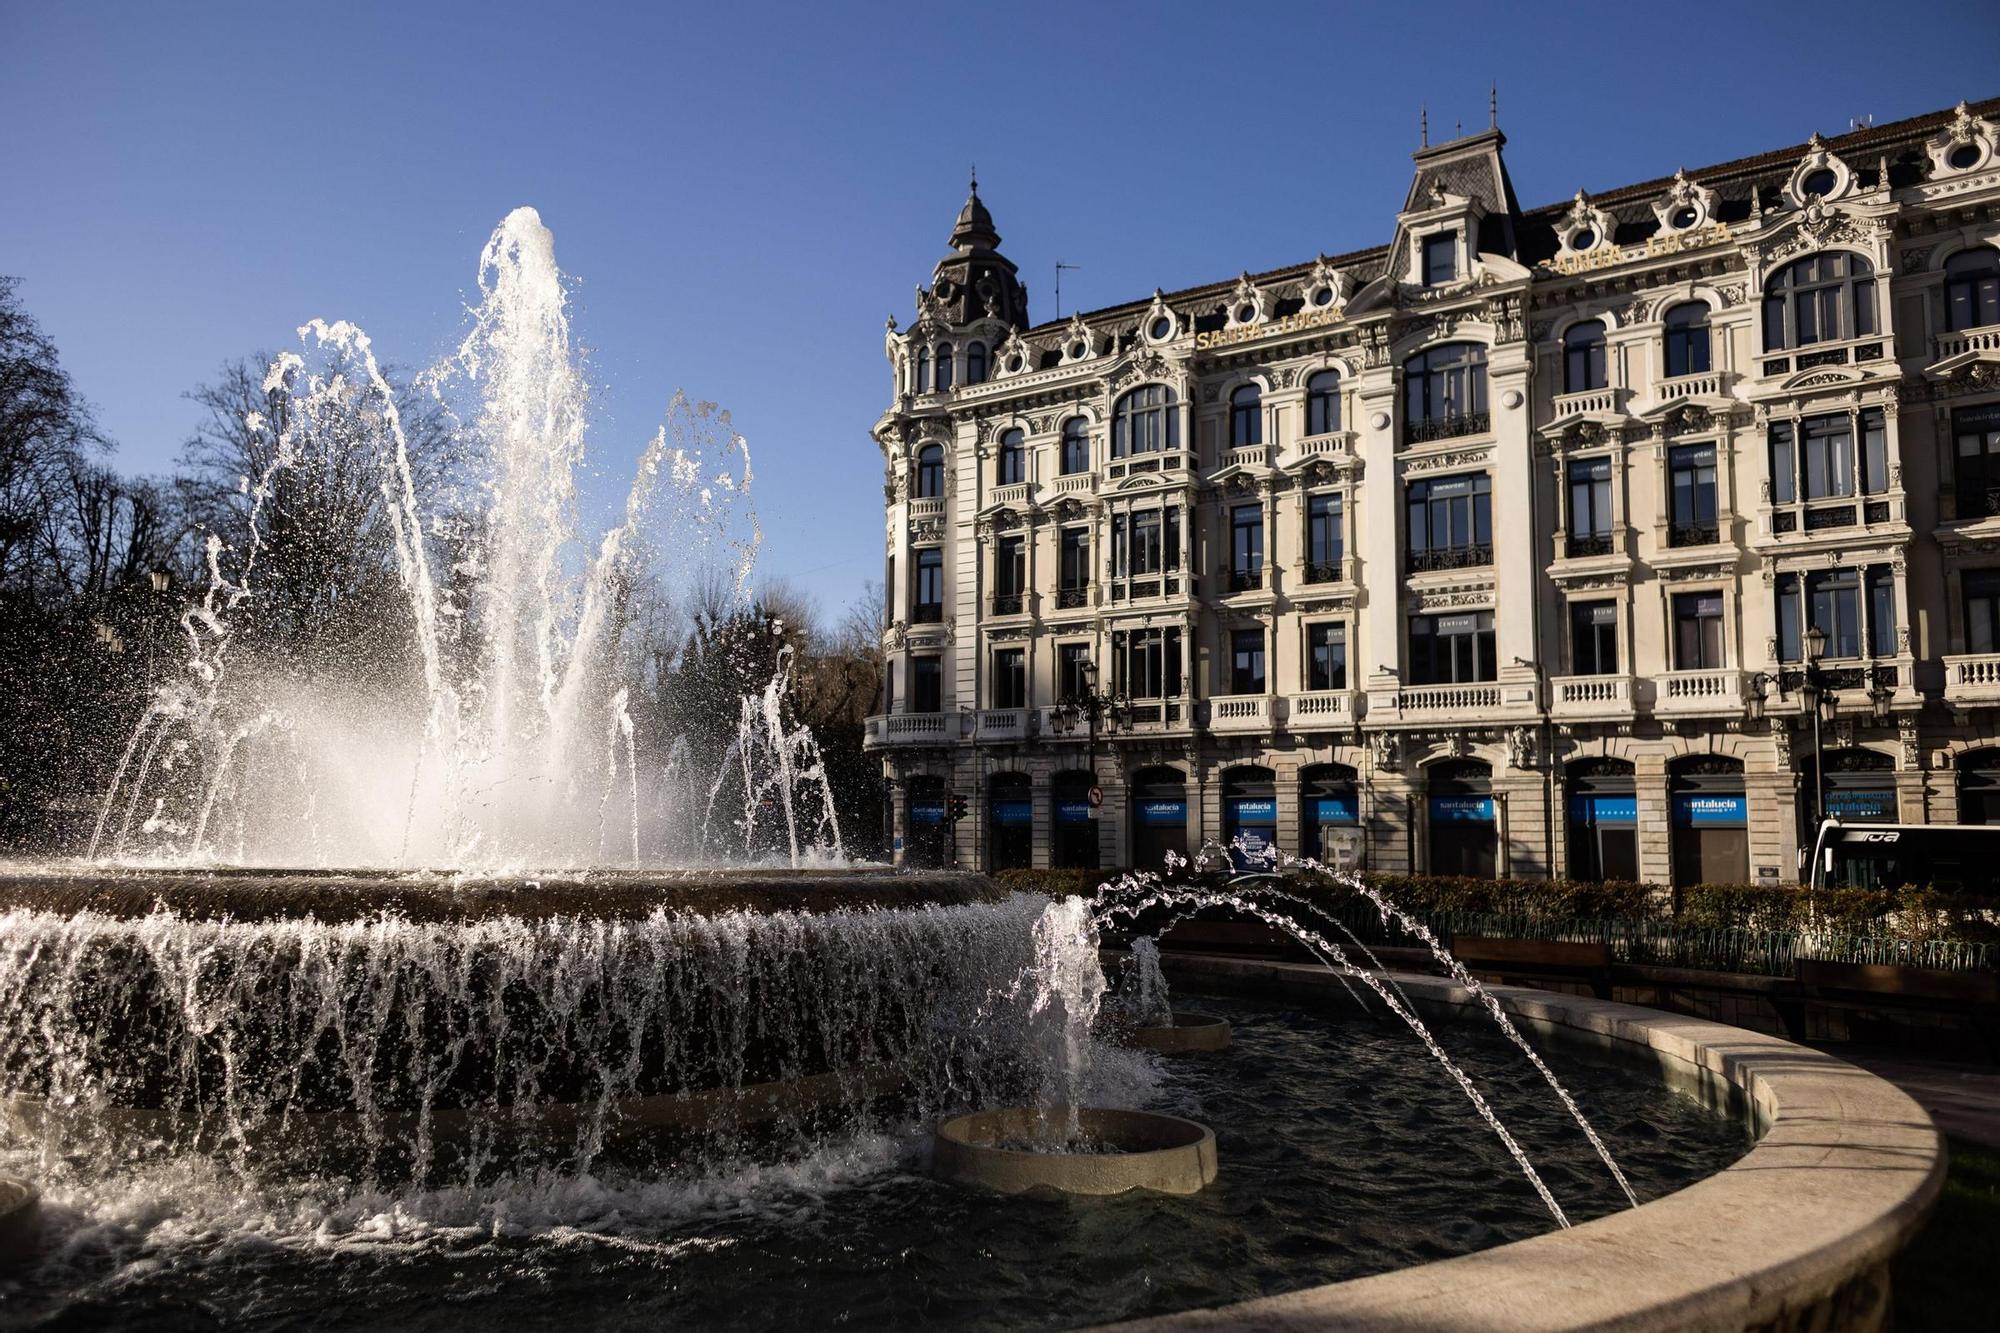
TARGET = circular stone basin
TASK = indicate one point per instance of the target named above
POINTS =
(1190, 1032)
(20, 1220)
(1130, 1150)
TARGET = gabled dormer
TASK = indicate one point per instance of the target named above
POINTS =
(1461, 205)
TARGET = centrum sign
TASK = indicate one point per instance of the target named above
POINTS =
(1243, 333)
(1697, 238)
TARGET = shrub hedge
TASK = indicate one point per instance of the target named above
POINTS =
(1912, 912)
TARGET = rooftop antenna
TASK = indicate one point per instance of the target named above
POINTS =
(1424, 126)
(1860, 122)
(1060, 267)
(1493, 107)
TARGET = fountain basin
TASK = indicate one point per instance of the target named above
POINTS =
(1136, 1150)
(20, 1220)
(1191, 1032)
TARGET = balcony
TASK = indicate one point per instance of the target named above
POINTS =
(1482, 697)
(1694, 534)
(1702, 384)
(1318, 710)
(1007, 604)
(1972, 680)
(1250, 455)
(931, 506)
(1003, 724)
(1438, 558)
(1583, 698)
(1077, 483)
(1962, 346)
(1240, 713)
(1243, 580)
(927, 613)
(1698, 693)
(1014, 493)
(1605, 400)
(1976, 501)
(1446, 427)
(1333, 442)
(1334, 571)
(1153, 717)
(887, 729)
(1584, 545)
(1071, 599)
(1834, 514)
(1814, 356)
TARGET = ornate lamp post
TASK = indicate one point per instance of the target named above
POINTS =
(1085, 707)
(1813, 694)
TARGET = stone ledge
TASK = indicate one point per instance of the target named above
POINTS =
(1797, 1234)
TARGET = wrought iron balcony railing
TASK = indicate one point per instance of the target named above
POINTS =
(1451, 557)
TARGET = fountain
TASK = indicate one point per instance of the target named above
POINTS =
(1147, 1019)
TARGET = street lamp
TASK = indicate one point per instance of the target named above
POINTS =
(1084, 706)
(1812, 693)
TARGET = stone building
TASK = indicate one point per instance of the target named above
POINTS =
(1502, 547)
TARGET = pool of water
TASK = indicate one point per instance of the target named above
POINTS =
(1344, 1151)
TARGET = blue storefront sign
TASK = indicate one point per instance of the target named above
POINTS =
(1337, 810)
(1604, 810)
(1072, 812)
(1693, 810)
(1162, 812)
(1461, 809)
(1013, 813)
(1253, 810)
(927, 812)
(1878, 803)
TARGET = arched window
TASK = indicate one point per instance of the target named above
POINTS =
(1075, 445)
(1323, 403)
(1687, 340)
(975, 363)
(1013, 459)
(1444, 392)
(943, 367)
(1145, 421)
(1583, 356)
(1821, 298)
(923, 370)
(930, 472)
(1246, 417)
(1972, 288)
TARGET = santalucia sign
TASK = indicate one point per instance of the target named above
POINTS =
(1607, 256)
(1243, 333)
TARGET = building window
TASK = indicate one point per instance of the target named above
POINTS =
(1972, 288)
(1326, 656)
(1583, 357)
(1075, 446)
(923, 370)
(1451, 522)
(1145, 421)
(1246, 547)
(1010, 575)
(1691, 479)
(944, 355)
(1440, 258)
(1073, 568)
(1323, 403)
(1148, 662)
(1072, 676)
(1593, 638)
(975, 363)
(1246, 661)
(1976, 435)
(929, 605)
(1697, 631)
(1010, 678)
(1854, 608)
(1246, 417)
(930, 472)
(1325, 539)
(1826, 456)
(1821, 298)
(1687, 340)
(1444, 392)
(1982, 611)
(1590, 507)
(1013, 459)
(926, 684)
(1145, 542)
(1825, 464)
(1446, 650)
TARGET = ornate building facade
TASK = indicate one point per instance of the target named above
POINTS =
(1529, 543)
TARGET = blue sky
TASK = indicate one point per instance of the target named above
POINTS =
(746, 191)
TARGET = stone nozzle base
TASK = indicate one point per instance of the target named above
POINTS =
(1190, 1032)
(1135, 1150)
(20, 1221)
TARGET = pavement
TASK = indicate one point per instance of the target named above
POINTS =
(1964, 1099)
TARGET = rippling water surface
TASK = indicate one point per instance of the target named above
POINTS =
(1344, 1151)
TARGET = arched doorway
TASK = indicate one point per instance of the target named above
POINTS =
(1010, 822)
(1330, 815)
(1603, 820)
(1464, 835)
(1074, 826)
(925, 832)
(1249, 814)
(1711, 818)
(1159, 816)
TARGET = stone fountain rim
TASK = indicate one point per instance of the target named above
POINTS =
(1847, 1167)
(1178, 1156)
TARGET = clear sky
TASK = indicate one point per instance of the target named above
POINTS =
(745, 191)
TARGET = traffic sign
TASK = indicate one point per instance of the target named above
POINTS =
(1096, 797)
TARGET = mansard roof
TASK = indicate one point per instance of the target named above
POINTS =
(1742, 186)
